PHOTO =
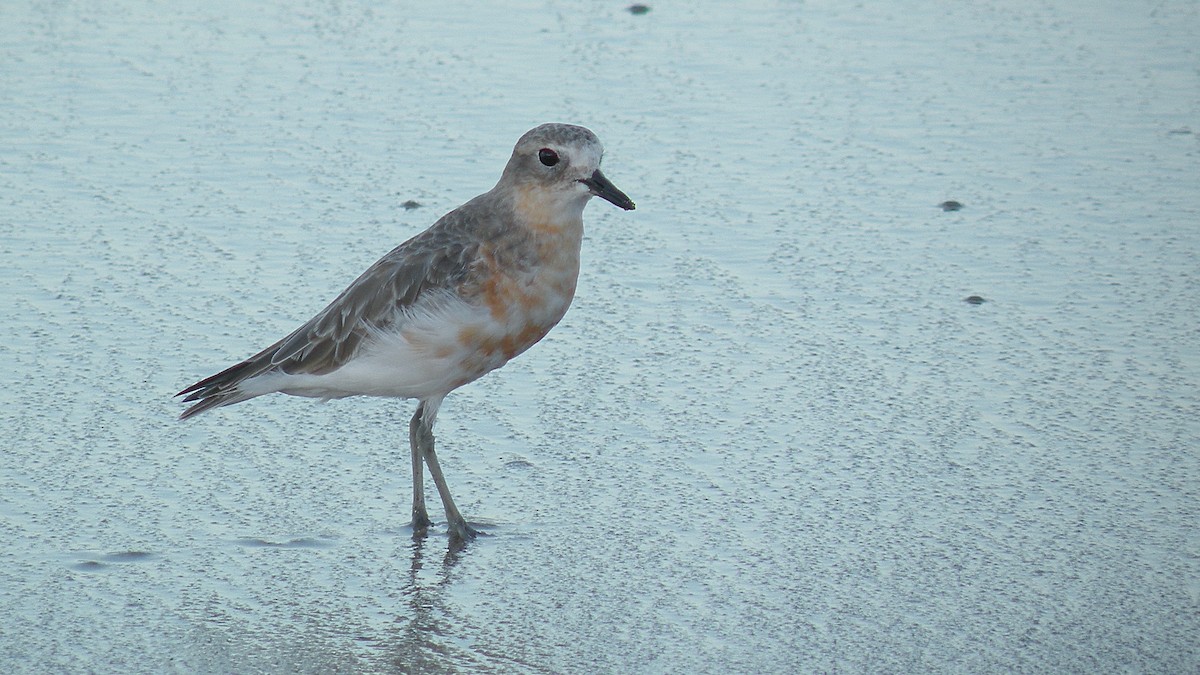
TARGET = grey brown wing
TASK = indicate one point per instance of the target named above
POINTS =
(439, 258)
(373, 301)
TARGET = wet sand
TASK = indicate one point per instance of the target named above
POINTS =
(770, 436)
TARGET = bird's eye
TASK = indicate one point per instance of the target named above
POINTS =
(548, 156)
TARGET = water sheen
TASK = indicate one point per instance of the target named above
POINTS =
(800, 418)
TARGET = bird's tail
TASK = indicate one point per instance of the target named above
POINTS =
(218, 390)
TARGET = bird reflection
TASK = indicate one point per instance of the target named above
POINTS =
(425, 634)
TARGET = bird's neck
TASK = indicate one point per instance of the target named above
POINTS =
(549, 214)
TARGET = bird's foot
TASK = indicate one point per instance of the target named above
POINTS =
(420, 522)
(459, 530)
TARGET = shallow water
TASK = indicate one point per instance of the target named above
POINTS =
(771, 435)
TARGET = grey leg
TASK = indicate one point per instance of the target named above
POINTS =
(420, 517)
(423, 435)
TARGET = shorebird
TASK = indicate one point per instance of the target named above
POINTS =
(483, 284)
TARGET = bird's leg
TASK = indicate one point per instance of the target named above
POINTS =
(454, 521)
(420, 517)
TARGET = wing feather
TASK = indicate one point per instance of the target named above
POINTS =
(440, 258)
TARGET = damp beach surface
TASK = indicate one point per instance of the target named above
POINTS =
(895, 368)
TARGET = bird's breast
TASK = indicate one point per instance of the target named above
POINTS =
(525, 282)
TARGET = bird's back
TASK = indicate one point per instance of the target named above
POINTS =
(440, 310)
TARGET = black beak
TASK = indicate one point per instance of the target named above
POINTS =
(602, 188)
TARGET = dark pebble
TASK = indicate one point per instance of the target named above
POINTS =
(950, 205)
(974, 300)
